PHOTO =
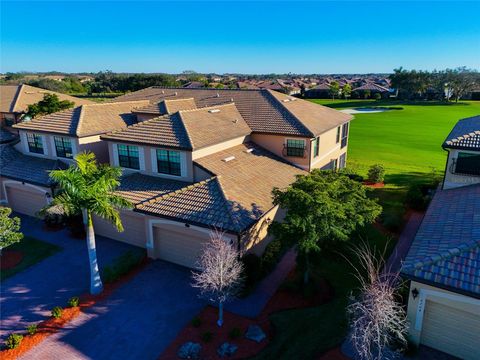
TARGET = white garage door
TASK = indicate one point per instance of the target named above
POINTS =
(179, 246)
(25, 200)
(451, 330)
(134, 229)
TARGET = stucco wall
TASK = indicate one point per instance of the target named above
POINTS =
(456, 180)
(48, 145)
(444, 297)
(196, 154)
(95, 145)
(329, 149)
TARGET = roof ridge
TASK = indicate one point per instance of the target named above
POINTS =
(79, 122)
(116, 102)
(312, 134)
(227, 204)
(156, 118)
(190, 98)
(16, 98)
(184, 126)
(173, 193)
(207, 107)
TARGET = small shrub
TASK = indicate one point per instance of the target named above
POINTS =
(272, 254)
(207, 336)
(235, 333)
(57, 312)
(122, 266)
(378, 96)
(196, 322)
(415, 198)
(32, 329)
(13, 341)
(376, 173)
(73, 301)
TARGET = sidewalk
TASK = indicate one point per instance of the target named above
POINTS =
(252, 305)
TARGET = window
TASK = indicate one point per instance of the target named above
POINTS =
(338, 135)
(316, 146)
(295, 148)
(63, 146)
(344, 135)
(467, 164)
(128, 156)
(35, 143)
(168, 162)
(343, 161)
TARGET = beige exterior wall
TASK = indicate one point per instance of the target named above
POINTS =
(275, 144)
(95, 145)
(196, 154)
(329, 150)
(145, 117)
(459, 304)
(48, 145)
(23, 197)
(199, 174)
(256, 239)
(134, 224)
(453, 180)
(148, 163)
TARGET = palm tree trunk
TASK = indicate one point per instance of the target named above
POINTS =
(96, 286)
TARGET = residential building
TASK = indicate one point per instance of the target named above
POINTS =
(194, 160)
(443, 262)
(14, 101)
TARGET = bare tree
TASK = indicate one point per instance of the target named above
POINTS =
(221, 271)
(377, 320)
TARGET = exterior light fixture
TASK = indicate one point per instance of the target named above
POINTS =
(415, 293)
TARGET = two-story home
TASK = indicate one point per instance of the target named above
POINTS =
(14, 101)
(199, 159)
(51, 142)
(443, 262)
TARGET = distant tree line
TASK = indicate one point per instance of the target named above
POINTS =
(441, 85)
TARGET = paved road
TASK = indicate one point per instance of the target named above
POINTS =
(29, 296)
(138, 321)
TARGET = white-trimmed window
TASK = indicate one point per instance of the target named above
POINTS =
(35, 143)
(169, 162)
(316, 146)
(63, 147)
(295, 147)
(128, 156)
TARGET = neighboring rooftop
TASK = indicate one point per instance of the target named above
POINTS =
(263, 110)
(31, 169)
(446, 249)
(16, 98)
(187, 129)
(465, 135)
(86, 120)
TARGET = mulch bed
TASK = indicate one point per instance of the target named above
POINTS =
(281, 300)
(10, 259)
(374, 185)
(51, 326)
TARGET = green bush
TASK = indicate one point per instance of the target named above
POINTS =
(415, 198)
(376, 173)
(196, 322)
(235, 333)
(272, 255)
(32, 329)
(73, 301)
(207, 336)
(57, 312)
(13, 341)
(378, 96)
(122, 266)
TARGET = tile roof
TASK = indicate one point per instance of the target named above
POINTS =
(16, 98)
(187, 129)
(371, 87)
(446, 249)
(168, 106)
(18, 166)
(249, 178)
(261, 109)
(86, 120)
(167, 131)
(465, 134)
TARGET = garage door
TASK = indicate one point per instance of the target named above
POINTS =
(134, 229)
(182, 247)
(451, 330)
(25, 200)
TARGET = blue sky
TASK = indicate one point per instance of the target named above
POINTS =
(244, 37)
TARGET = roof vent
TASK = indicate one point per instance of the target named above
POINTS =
(230, 158)
(235, 121)
(249, 151)
(163, 91)
(231, 99)
(212, 111)
(218, 95)
(175, 93)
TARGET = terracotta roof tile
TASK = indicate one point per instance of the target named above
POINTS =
(465, 134)
(86, 120)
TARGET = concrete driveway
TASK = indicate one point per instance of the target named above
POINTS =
(138, 321)
(29, 296)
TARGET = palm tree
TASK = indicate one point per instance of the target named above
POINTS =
(88, 189)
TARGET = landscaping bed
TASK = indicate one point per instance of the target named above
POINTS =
(24, 254)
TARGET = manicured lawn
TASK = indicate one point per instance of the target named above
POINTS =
(306, 333)
(404, 141)
(33, 251)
